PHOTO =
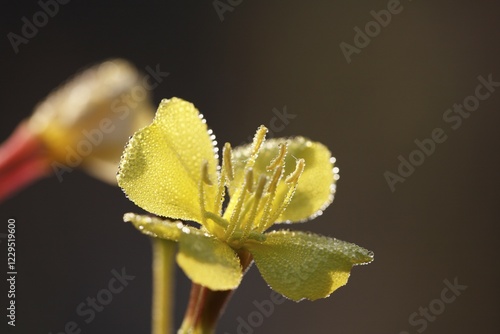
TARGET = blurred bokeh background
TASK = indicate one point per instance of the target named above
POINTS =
(440, 224)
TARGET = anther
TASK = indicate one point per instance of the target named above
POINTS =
(261, 183)
(204, 173)
(280, 158)
(249, 180)
(258, 139)
(299, 168)
(275, 179)
(228, 161)
(292, 180)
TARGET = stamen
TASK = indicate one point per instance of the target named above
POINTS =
(258, 140)
(299, 168)
(221, 192)
(249, 180)
(259, 191)
(292, 180)
(226, 171)
(236, 214)
(204, 173)
(278, 164)
(247, 206)
(278, 172)
(205, 180)
(276, 178)
(280, 158)
(227, 162)
(217, 219)
(260, 186)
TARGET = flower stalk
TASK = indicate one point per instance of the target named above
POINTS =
(206, 306)
(163, 296)
(22, 161)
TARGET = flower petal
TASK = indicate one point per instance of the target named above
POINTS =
(159, 228)
(301, 265)
(316, 184)
(209, 262)
(160, 169)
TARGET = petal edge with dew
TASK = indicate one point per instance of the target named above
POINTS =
(160, 167)
(302, 265)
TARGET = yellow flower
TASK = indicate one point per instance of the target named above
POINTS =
(170, 168)
(84, 123)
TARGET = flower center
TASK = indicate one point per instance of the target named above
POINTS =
(257, 201)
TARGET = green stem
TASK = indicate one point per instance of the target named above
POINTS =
(163, 260)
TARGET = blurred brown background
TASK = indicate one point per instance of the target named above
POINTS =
(440, 224)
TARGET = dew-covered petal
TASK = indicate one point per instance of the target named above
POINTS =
(316, 185)
(160, 169)
(159, 228)
(209, 262)
(302, 265)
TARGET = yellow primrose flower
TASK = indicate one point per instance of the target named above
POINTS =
(170, 168)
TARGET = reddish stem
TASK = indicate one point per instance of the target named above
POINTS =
(22, 161)
(206, 306)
